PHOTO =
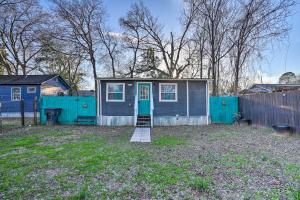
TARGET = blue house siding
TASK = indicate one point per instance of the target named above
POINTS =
(125, 108)
(14, 106)
(170, 108)
(50, 87)
(164, 113)
(197, 98)
(56, 82)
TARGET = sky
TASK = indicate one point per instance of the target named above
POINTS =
(279, 57)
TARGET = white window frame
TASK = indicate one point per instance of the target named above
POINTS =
(31, 92)
(12, 94)
(176, 92)
(123, 93)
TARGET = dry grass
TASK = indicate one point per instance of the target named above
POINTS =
(213, 162)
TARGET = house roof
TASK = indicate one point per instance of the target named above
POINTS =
(268, 88)
(26, 79)
(153, 79)
(272, 87)
(276, 85)
(85, 93)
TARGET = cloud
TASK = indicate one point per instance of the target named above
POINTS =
(116, 35)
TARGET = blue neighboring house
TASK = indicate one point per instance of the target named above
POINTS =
(13, 88)
(152, 102)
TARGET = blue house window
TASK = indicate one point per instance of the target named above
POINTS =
(16, 94)
(168, 92)
(31, 89)
(115, 92)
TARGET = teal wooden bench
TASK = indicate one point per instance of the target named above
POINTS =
(86, 120)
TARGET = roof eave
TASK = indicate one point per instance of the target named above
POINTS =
(152, 79)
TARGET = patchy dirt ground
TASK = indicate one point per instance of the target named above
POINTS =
(186, 162)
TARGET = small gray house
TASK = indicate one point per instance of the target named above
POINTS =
(152, 102)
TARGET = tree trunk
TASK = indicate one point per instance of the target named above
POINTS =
(23, 67)
(201, 67)
(93, 61)
(237, 72)
(113, 66)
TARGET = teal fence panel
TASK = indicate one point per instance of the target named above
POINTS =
(223, 109)
(72, 107)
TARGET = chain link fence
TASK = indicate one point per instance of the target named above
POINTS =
(13, 115)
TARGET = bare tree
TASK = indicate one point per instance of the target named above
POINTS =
(67, 61)
(214, 20)
(258, 22)
(9, 2)
(198, 43)
(5, 66)
(110, 42)
(21, 26)
(133, 37)
(171, 49)
(80, 22)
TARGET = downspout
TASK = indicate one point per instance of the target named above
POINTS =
(152, 105)
(207, 102)
(99, 104)
(187, 99)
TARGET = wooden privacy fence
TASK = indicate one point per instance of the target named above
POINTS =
(269, 109)
(72, 107)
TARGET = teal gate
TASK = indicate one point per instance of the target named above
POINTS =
(223, 109)
(72, 107)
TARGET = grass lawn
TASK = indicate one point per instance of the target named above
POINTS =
(208, 162)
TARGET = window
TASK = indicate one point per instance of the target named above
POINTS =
(115, 92)
(31, 89)
(144, 92)
(16, 94)
(168, 92)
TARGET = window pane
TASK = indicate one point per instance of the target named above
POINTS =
(115, 91)
(168, 88)
(168, 96)
(115, 96)
(144, 92)
(16, 94)
(115, 87)
(16, 90)
(168, 92)
(31, 89)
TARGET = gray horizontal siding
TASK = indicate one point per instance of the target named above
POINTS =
(125, 108)
(170, 108)
(197, 98)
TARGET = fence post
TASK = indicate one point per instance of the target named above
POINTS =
(35, 111)
(22, 112)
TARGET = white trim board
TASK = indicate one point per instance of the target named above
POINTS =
(11, 93)
(18, 114)
(187, 99)
(123, 92)
(151, 98)
(176, 92)
(179, 121)
(207, 103)
(117, 120)
(31, 87)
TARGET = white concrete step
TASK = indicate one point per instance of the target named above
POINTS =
(141, 135)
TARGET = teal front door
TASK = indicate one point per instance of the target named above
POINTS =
(144, 98)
